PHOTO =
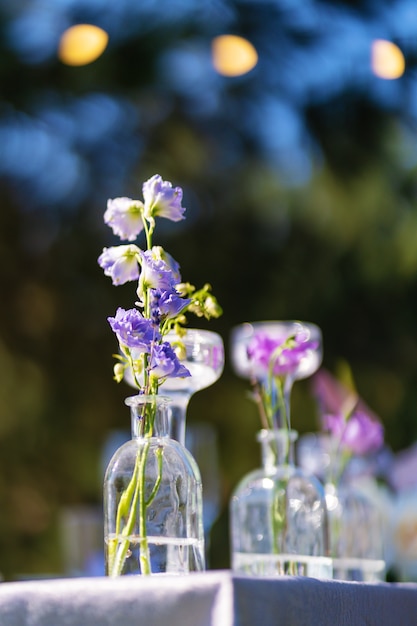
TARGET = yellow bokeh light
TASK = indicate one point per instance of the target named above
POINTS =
(233, 55)
(82, 44)
(387, 60)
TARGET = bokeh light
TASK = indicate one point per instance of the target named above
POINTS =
(82, 44)
(387, 60)
(233, 55)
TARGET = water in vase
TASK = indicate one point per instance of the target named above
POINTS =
(282, 565)
(168, 555)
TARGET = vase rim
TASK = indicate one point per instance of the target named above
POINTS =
(266, 434)
(277, 323)
(195, 332)
(142, 398)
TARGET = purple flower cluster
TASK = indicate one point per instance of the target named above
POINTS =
(280, 355)
(140, 334)
(126, 216)
(157, 274)
(359, 434)
(346, 417)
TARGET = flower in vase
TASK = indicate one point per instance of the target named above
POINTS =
(279, 354)
(162, 302)
(273, 359)
(354, 430)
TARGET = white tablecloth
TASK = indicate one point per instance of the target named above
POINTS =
(206, 599)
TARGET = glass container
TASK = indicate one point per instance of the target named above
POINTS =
(278, 516)
(153, 518)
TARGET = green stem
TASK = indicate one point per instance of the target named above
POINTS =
(135, 496)
(128, 501)
(279, 515)
(144, 556)
(158, 454)
(148, 229)
(281, 402)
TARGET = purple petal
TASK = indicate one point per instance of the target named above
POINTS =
(165, 363)
(133, 330)
(162, 200)
(120, 263)
(124, 216)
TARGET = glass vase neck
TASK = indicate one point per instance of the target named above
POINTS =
(279, 389)
(149, 415)
(178, 415)
(277, 446)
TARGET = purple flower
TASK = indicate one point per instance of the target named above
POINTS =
(133, 330)
(165, 363)
(124, 216)
(332, 396)
(162, 200)
(363, 434)
(120, 263)
(155, 274)
(159, 253)
(284, 354)
(168, 303)
(334, 423)
(359, 433)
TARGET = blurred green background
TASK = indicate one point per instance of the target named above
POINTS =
(300, 184)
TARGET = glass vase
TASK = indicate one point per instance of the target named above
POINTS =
(278, 516)
(309, 335)
(356, 533)
(153, 519)
(202, 353)
(353, 499)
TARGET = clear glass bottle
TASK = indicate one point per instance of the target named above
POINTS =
(278, 516)
(202, 353)
(353, 499)
(153, 518)
(356, 532)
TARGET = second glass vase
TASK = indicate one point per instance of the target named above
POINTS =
(278, 516)
(356, 533)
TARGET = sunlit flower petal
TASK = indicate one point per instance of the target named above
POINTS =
(281, 353)
(162, 200)
(165, 363)
(155, 274)
(120, 263)
(124, 216)
(159, 253)
(133, 330)
(168, 303)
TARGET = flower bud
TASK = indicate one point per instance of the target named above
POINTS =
(118, 372)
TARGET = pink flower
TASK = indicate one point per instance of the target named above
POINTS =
(359, 433)
(283, 354)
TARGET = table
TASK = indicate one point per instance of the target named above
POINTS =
(216, 598)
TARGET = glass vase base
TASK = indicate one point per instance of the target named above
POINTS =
(282, 565)
(168, 555)
(360, 570)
